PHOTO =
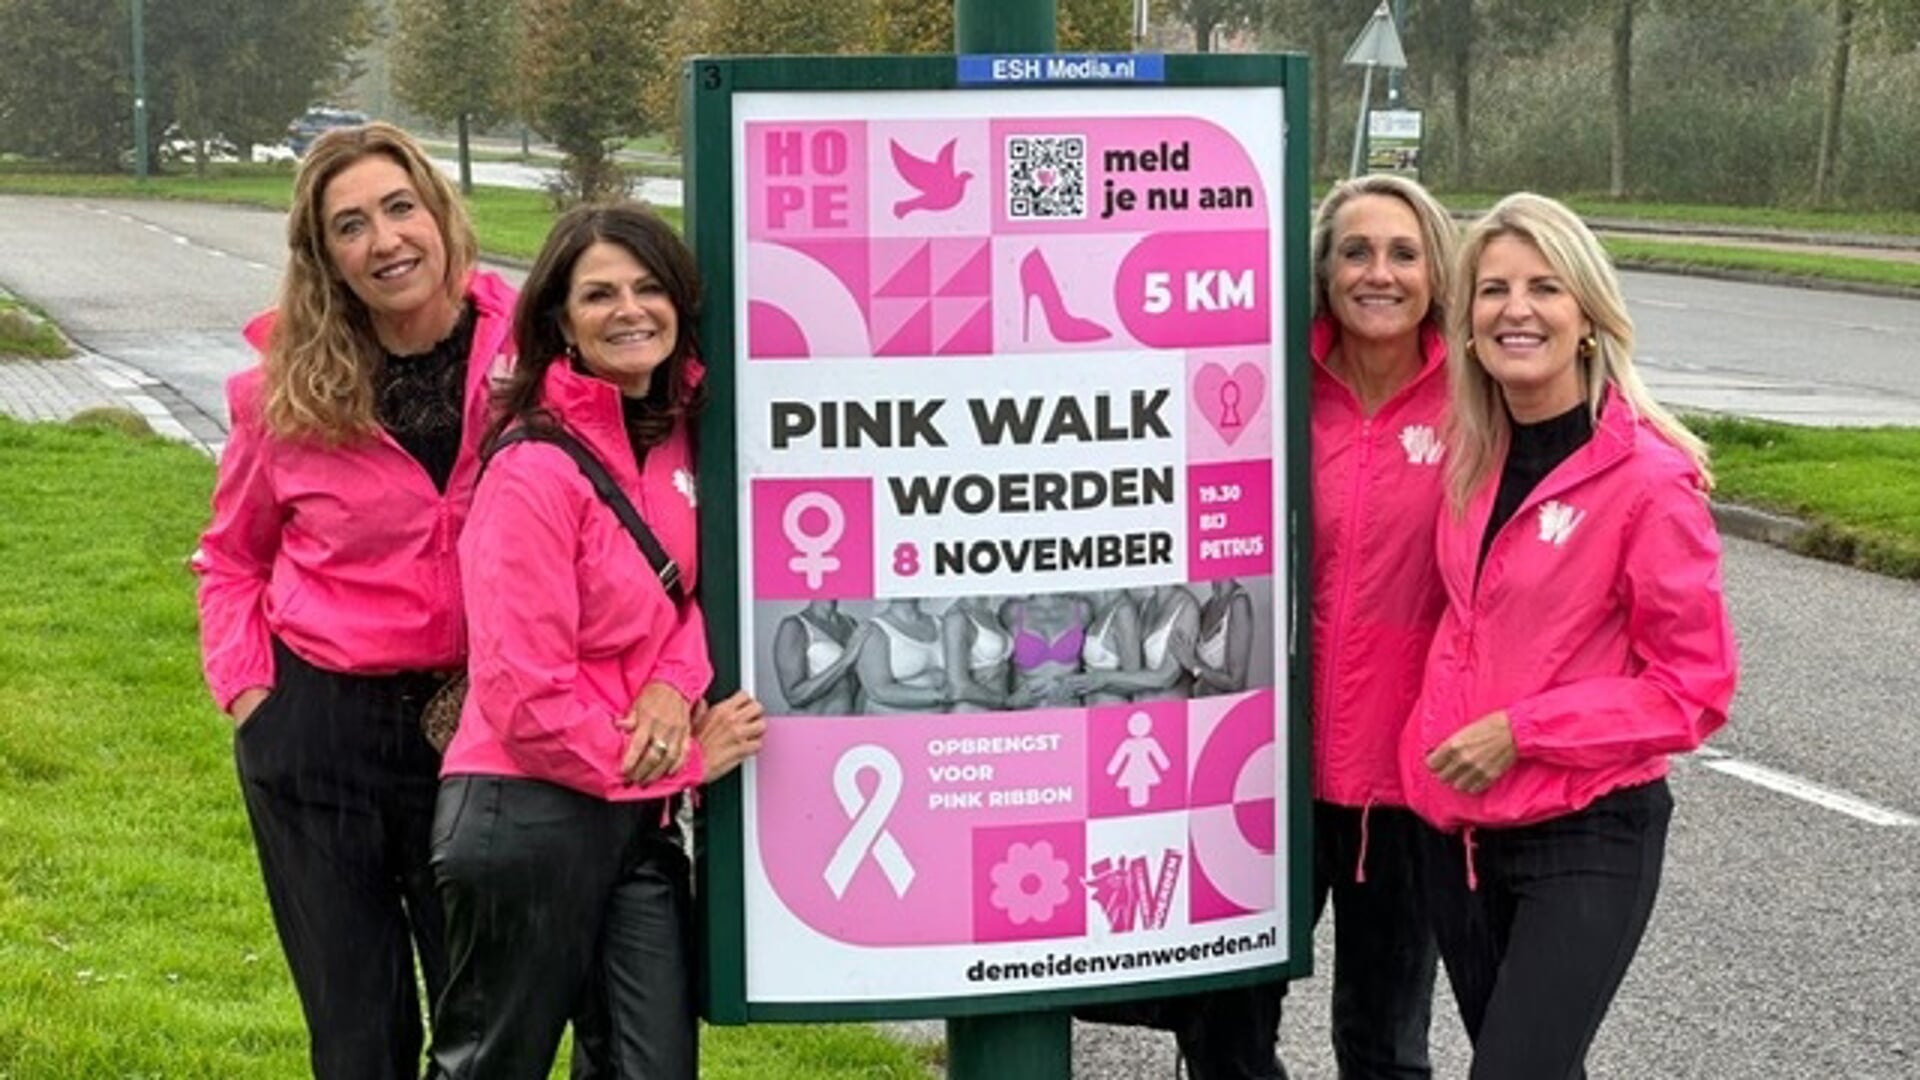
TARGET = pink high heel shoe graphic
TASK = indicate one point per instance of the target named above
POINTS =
(1036, 283)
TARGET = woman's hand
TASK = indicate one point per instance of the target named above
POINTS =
(658, 726)
(729, 731)
(246, 703)
(1476, 755)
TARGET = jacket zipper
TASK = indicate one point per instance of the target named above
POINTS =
(1343, 605)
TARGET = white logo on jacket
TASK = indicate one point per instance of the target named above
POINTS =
(1557, 521)
(1422, 445)
(683, 482)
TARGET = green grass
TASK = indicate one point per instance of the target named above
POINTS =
(134, 934)
(511, 222)
(1888, 222)
(1787, 265)
(1858, 488)
(25, 333)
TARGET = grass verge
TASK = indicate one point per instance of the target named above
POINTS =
(134, 935)
(1789, 266)
(1888, 222)
(511, 222)
(24, 333)
(1859, 488)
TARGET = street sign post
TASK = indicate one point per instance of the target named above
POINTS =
(1377, 46)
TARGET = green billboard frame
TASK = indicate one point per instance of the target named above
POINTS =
(711, 83)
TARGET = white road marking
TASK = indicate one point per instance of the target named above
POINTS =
(1804, 790)
(1672, 305)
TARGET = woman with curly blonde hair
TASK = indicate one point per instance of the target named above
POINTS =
(330, 601)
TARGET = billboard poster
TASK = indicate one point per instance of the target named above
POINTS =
(1008, 407)
(1393, 142)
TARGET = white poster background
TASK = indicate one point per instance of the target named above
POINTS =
(787, 960)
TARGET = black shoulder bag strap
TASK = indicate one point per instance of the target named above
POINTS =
(616, 500)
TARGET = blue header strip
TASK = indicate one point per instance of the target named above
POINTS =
(1012, 69)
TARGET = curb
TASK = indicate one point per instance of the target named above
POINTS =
(1812, 237)
(143, 394)
(1763, 277)
(1760, 526)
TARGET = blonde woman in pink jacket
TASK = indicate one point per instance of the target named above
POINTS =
(1382, 262)
(558, 859)
(329, 594)
(1585, 639)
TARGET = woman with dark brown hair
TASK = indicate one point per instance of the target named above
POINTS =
(329, 595)
(566, 890)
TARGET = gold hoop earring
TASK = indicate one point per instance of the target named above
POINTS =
(1473, 355)
(1589, 348)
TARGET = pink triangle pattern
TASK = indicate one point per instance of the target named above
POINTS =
(903, 327)
(963, 268)
(963, 327)
(911, 277)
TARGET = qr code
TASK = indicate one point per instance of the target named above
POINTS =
(1046, 177)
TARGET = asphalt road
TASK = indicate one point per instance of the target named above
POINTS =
(1787, 941)
(164, 287)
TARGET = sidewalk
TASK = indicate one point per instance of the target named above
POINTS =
(56, 390)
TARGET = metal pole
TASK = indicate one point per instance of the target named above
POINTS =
(1001, 26)
(140, 163)
(1026, 1045)
(1360, 126)
(1394, 75)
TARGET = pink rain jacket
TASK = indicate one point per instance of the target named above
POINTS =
(346, 553)
(1597, 624)
(1378, 484)
(568, 621)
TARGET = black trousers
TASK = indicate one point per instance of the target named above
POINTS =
(339, 788)
(1537, 950)
(1384, 965)
(561, 907)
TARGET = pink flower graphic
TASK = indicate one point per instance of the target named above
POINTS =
(1030, 883)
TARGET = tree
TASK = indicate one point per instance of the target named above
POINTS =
(240, 69)
(1896, 22)
(583, 68)
(1323, 29)
(1441, 33)
(1096, 25)
(1620, 145)
(1208, 16)
(233, 68)
(449, 65)
(766, 27)
(63, 88)
(910, 26)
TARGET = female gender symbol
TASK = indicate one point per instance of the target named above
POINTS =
(813, 560)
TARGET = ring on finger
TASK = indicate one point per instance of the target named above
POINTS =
(659, 747)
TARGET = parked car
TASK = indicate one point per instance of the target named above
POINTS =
(175, 146)
(302, 132)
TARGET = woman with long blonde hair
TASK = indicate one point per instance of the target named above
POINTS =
(1585, 639)
(330, 601)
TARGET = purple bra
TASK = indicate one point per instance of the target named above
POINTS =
(1031, 650)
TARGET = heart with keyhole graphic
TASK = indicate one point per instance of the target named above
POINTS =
(1230, 399)
(1045, 177)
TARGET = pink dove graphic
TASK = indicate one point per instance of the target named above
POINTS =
(940, 187)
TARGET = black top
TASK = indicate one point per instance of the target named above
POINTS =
(634, 411)
(421, 400)
(1535, 451)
